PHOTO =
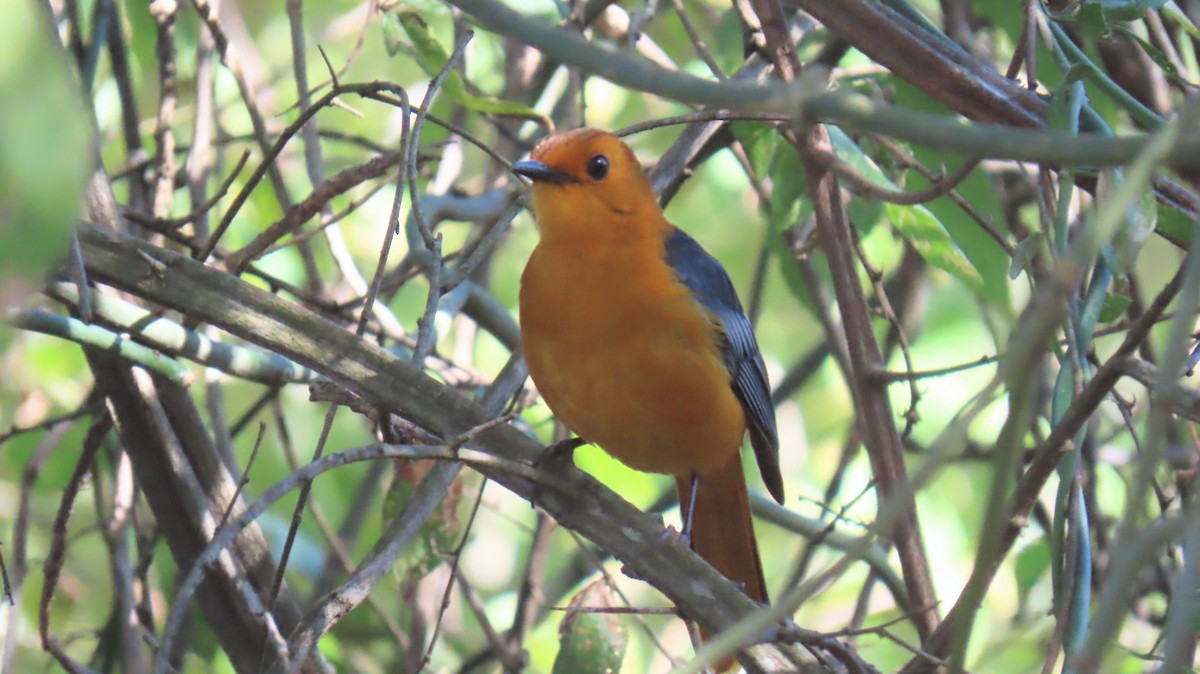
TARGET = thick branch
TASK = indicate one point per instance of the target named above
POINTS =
(393, 384)
(943, 132)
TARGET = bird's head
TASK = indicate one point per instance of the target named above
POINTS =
(588, 182)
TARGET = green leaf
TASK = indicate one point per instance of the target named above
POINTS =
(1153, 52)
(988, 257)
(916, 224)
(726, 41)
(769, 157)
(440, 533)
(1024, 254)
(430, 54)
(1093, 18)
(1079, 72)
(1114, 307)
(1032, 563)
(1064, 390)
(761, 142)
(1125, 10)
(849, 152)
(432, 57)
(591, 643)
(1176, 226)
(1106, 220)
(1138, 227)
(783, 221)
(788, 205)
(45, 155)
(865, 213)
(394, 38)
(929, 238)
(1093, 303)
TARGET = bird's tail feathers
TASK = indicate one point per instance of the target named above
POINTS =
(722, 531)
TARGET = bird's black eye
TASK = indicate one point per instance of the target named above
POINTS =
(597, 167)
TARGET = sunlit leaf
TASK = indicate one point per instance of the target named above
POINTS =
(591, 642)
(929, 238)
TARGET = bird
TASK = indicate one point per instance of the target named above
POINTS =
(634, 337)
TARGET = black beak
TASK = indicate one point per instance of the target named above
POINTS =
(539, 172)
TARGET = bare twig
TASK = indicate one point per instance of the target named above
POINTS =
(52, 566)
(165, 13)
(432, 241)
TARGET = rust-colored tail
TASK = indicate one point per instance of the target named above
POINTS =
(722, 530)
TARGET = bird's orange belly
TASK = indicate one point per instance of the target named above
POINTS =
(630, 369)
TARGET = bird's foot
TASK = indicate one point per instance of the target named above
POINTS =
(556, 459)
(671, 536)
(561, 453)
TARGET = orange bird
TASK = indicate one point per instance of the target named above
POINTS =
(636, 340)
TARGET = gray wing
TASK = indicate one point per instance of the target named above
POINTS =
(710, 285)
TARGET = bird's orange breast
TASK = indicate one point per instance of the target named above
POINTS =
(626, 358)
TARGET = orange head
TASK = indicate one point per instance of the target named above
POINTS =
(587, 183)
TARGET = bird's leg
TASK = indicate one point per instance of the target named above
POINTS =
(554, 460)
(686, 534)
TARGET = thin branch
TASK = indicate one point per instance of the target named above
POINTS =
(53, 564)
(165, 336)
(64, 327)
(432, 241)
(312, 205)
(272, 151)
(863, 185)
